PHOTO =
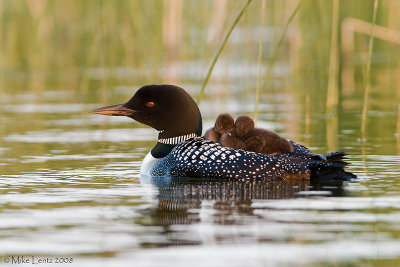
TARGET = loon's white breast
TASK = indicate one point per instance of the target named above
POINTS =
(148, 162)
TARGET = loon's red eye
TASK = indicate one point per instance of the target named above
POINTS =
(150, 104)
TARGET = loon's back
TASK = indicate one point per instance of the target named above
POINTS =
(197, 158)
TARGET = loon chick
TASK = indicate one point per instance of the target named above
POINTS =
(223, 124)
(222, 132)
(181, 152)
(230, 140)
(260, 140)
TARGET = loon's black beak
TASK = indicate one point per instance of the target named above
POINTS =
(115, 110)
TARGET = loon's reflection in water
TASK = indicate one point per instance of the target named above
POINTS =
(238, 190)
(217, 202)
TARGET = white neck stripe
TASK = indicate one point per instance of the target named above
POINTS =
(177, 139)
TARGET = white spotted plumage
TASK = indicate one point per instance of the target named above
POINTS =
(202, 158)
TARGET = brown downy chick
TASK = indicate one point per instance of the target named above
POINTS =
(230, 140)
(223, 124)
(260, 140)
(234, 138)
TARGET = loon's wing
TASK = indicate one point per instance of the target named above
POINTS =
(299, 149)
(202, 158)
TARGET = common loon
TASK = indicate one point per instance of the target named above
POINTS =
(260, 140)
(182, 152)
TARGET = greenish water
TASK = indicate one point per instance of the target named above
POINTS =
(69, 180)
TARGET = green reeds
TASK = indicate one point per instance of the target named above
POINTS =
(368, 74)
(220, 51)
(273, 59)
(397, 134)
(278, 46)
(398, 118)
(332, 99)
(260, 51)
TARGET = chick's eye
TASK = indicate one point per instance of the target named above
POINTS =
(150, 104)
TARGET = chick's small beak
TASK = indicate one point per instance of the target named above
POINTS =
(115, 110)
(229, 132)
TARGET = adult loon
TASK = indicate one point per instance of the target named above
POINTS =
(182, 152)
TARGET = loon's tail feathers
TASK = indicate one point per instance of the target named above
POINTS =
(317, 170)
(333, 157)
(317, 167)
(329, 171)
(337, 158)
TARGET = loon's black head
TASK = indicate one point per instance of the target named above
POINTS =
(167, 108)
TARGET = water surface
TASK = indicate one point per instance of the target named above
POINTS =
(70, 186)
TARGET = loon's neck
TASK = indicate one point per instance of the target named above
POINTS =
(166, 141)
(161, 150)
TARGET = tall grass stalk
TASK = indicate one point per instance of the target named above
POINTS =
(368, 74)
(398, 119)
(201, 95)
(260, 52)
(277, 47)
(397, 134)
(332, 98)
(333, 89)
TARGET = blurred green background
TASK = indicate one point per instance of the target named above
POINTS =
(93, 48)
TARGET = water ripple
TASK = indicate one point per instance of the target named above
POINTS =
(83, 136)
